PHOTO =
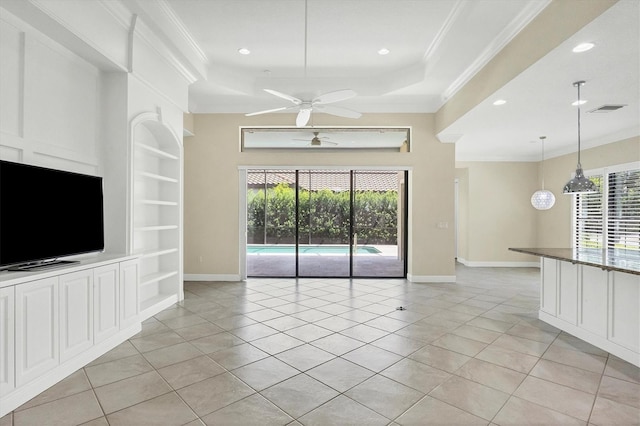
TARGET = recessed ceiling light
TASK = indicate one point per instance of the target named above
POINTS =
(499, 102)
(580, 102)
(244, 51)
(583, 47)
(383, 51)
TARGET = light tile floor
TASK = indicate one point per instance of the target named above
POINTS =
(337, 351)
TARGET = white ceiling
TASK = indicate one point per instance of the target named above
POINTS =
(435, 46)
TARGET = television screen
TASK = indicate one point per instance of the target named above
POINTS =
(47, 214)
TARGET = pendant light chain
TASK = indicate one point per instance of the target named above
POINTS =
(542, 138)
(580, 83)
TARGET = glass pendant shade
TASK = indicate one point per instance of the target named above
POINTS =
(543, 199)
(579, 183)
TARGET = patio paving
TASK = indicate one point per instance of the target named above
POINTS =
(323, 266)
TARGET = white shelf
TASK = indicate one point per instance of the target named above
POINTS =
(159, 202)
(155, 151)
(155, 304)
(156, 253)
(158, 177)
(157, 218)
(155, 228)
(155, 277)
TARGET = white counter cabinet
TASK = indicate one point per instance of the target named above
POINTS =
(129, 293)
(76, 313)
(7, 339)
(37, 329)
(56, 321)
(105, 301)
(601, 307)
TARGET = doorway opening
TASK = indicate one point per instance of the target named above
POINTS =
(326, 223)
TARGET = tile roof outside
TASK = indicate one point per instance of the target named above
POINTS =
(315, 180)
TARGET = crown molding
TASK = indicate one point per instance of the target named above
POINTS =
(65, 29)
(181, 28)
(506, 35)
(118, 11)
(169, 29)
(443, 31)
(154, 43)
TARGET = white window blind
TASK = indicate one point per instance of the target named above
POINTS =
(623, 212)
(589, 214)
(609, 218)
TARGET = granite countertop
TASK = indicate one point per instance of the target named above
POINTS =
(610, 260)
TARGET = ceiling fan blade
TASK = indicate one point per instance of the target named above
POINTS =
(266, 111)
(284, 96)
(339, 111)
(322, 138)
(337, 96)
(303, 117)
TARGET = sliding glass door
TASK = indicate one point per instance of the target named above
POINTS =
(271, 223)
(378, 223)
(326, 223)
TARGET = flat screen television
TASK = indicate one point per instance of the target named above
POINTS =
(46, 214)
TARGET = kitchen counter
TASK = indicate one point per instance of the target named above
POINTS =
(609, 260)
(594, 295)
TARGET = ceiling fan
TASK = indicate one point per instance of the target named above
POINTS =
(318, 140)
(320, 104)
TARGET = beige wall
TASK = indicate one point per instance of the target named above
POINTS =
(498, 212)
(494, 207)
(462, 176)
(211, 207)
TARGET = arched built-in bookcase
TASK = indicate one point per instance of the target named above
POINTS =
(156, 212)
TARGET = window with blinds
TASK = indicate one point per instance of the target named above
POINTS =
(623, 212)
(610, 217)
(589, 217)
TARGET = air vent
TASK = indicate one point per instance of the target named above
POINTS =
(607, 108)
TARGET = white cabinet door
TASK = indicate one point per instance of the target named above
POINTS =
(37, 328)
(568, 293)
(106, 298)
(624, 317)
(549, 286)
(76, 313)
(129, 277)
(7, 360)
(592, 307)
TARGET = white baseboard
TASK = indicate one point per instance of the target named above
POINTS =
(603, 343)
(211, 277)
(490, 264)
(157, 307)
(431, 278)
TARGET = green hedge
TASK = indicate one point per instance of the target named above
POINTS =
(324, 216)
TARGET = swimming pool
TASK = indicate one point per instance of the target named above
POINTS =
(323, 249)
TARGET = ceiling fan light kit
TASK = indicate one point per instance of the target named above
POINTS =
(579, 183)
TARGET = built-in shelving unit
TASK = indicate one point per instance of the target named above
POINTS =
(156, 213)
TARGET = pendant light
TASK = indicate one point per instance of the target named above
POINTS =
(579, 183)
(543, 199)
